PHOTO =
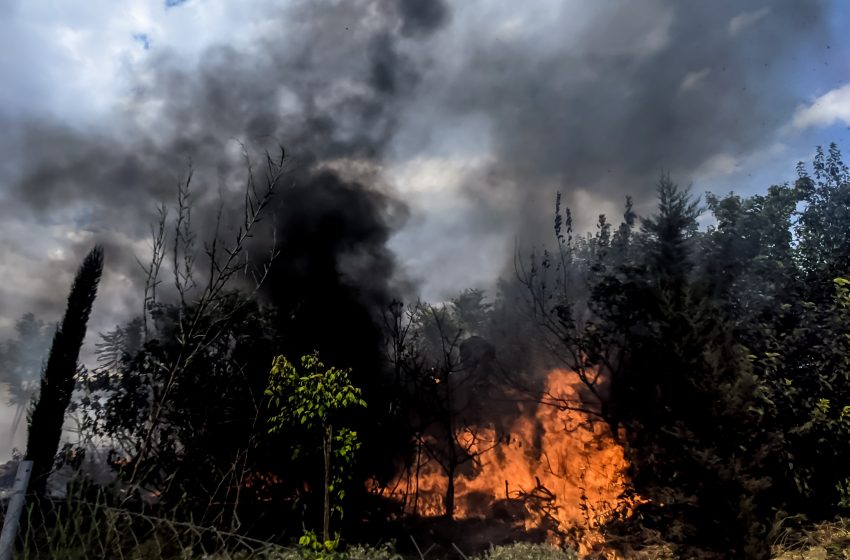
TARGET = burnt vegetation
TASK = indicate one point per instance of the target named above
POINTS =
(716, 356)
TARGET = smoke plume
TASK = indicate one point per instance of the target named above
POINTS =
(466, 118)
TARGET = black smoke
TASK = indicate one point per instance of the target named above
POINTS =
(328, 85)
(590, 99)
(334, 273)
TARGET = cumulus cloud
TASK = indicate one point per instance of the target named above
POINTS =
(828, 109)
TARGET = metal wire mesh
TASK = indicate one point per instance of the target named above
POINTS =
(76, 528)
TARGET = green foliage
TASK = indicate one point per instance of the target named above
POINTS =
(843, 489)
(311, 397)
(315, 398)
(824, 246)
(313, 548)
(668, 350)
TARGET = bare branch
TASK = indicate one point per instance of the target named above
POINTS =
(201, 321)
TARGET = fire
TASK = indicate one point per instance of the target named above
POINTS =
(557, 469)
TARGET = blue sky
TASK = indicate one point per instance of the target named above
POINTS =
(821, 118)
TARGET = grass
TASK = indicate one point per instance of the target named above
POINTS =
(76, 529)
(824, 541)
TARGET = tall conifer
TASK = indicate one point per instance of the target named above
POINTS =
(57, 380)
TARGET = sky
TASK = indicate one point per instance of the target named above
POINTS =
(457, 121)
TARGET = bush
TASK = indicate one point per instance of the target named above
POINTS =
(529, 551)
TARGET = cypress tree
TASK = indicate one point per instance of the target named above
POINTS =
(57, 379)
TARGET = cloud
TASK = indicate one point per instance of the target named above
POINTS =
(420, 17)
(770, 164)
(692, 79)
(443, 209)
(744, 20)
(828, 109)
(718, 165)
(600, 109)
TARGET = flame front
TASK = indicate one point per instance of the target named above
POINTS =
(557, 469)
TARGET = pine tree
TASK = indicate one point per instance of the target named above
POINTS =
(57, 380)
(681, 388)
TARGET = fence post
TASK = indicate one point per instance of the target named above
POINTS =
(13, 512)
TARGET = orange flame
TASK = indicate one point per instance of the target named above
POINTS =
(563, 468)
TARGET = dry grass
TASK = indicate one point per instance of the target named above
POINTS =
(74, 528)
(825, 541)
(78, 529)
(528, 551)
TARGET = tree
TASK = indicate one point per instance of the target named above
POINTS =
(210, 440)
(681, 387)
(776, 262)
(471, 311)
(444, 385)
(21, 364)
(57, 380)
(200, 320)
(822, 226)
(315, 397)
(653, 336)
(445, 449)
(160, 376)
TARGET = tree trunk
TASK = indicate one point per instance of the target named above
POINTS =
(452, 449)
(418, 470)
(450, 494)
(326, 448)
